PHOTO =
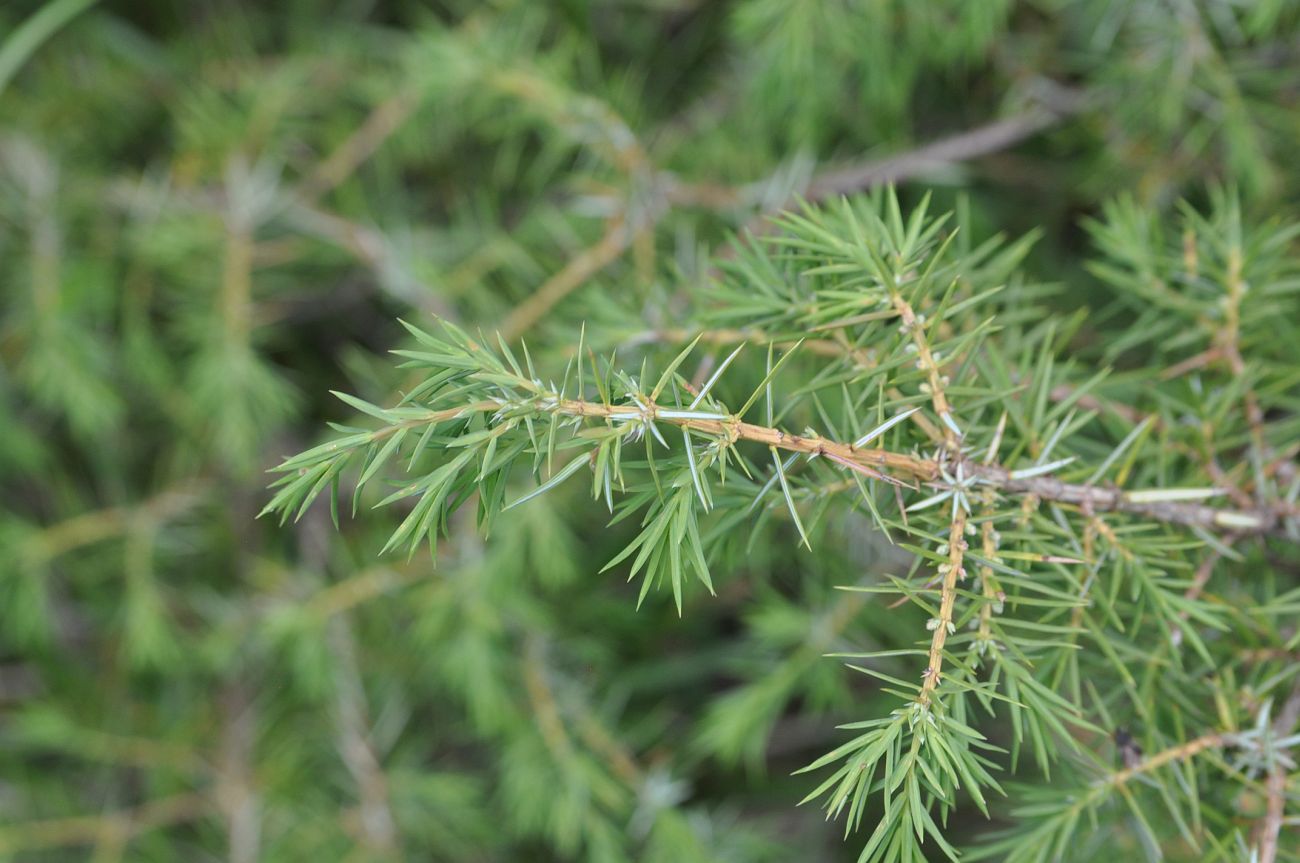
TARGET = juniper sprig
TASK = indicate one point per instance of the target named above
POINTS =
(1052, 529)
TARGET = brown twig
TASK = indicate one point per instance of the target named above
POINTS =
(1159, 759)
(989, 587)
(928, 363)
(1264, 520)
(1120, 778)
(966, 145)
(943, 623)
(1228, 339)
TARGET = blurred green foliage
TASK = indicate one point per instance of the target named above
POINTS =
(213, 213)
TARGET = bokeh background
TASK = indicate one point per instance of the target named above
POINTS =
(213, 213)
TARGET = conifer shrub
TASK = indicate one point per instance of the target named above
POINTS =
(761, 431)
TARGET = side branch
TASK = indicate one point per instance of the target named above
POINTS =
(928, 362)
(1175, 753)
(942, 625)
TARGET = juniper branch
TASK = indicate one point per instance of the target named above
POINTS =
(898, 323)
(1173, 506)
